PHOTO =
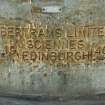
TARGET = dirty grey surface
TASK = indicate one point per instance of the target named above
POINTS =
(12, 101)
(26, 79)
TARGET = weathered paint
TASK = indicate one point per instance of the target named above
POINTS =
(41, 79)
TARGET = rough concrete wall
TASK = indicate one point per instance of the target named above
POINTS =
(41, 79)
